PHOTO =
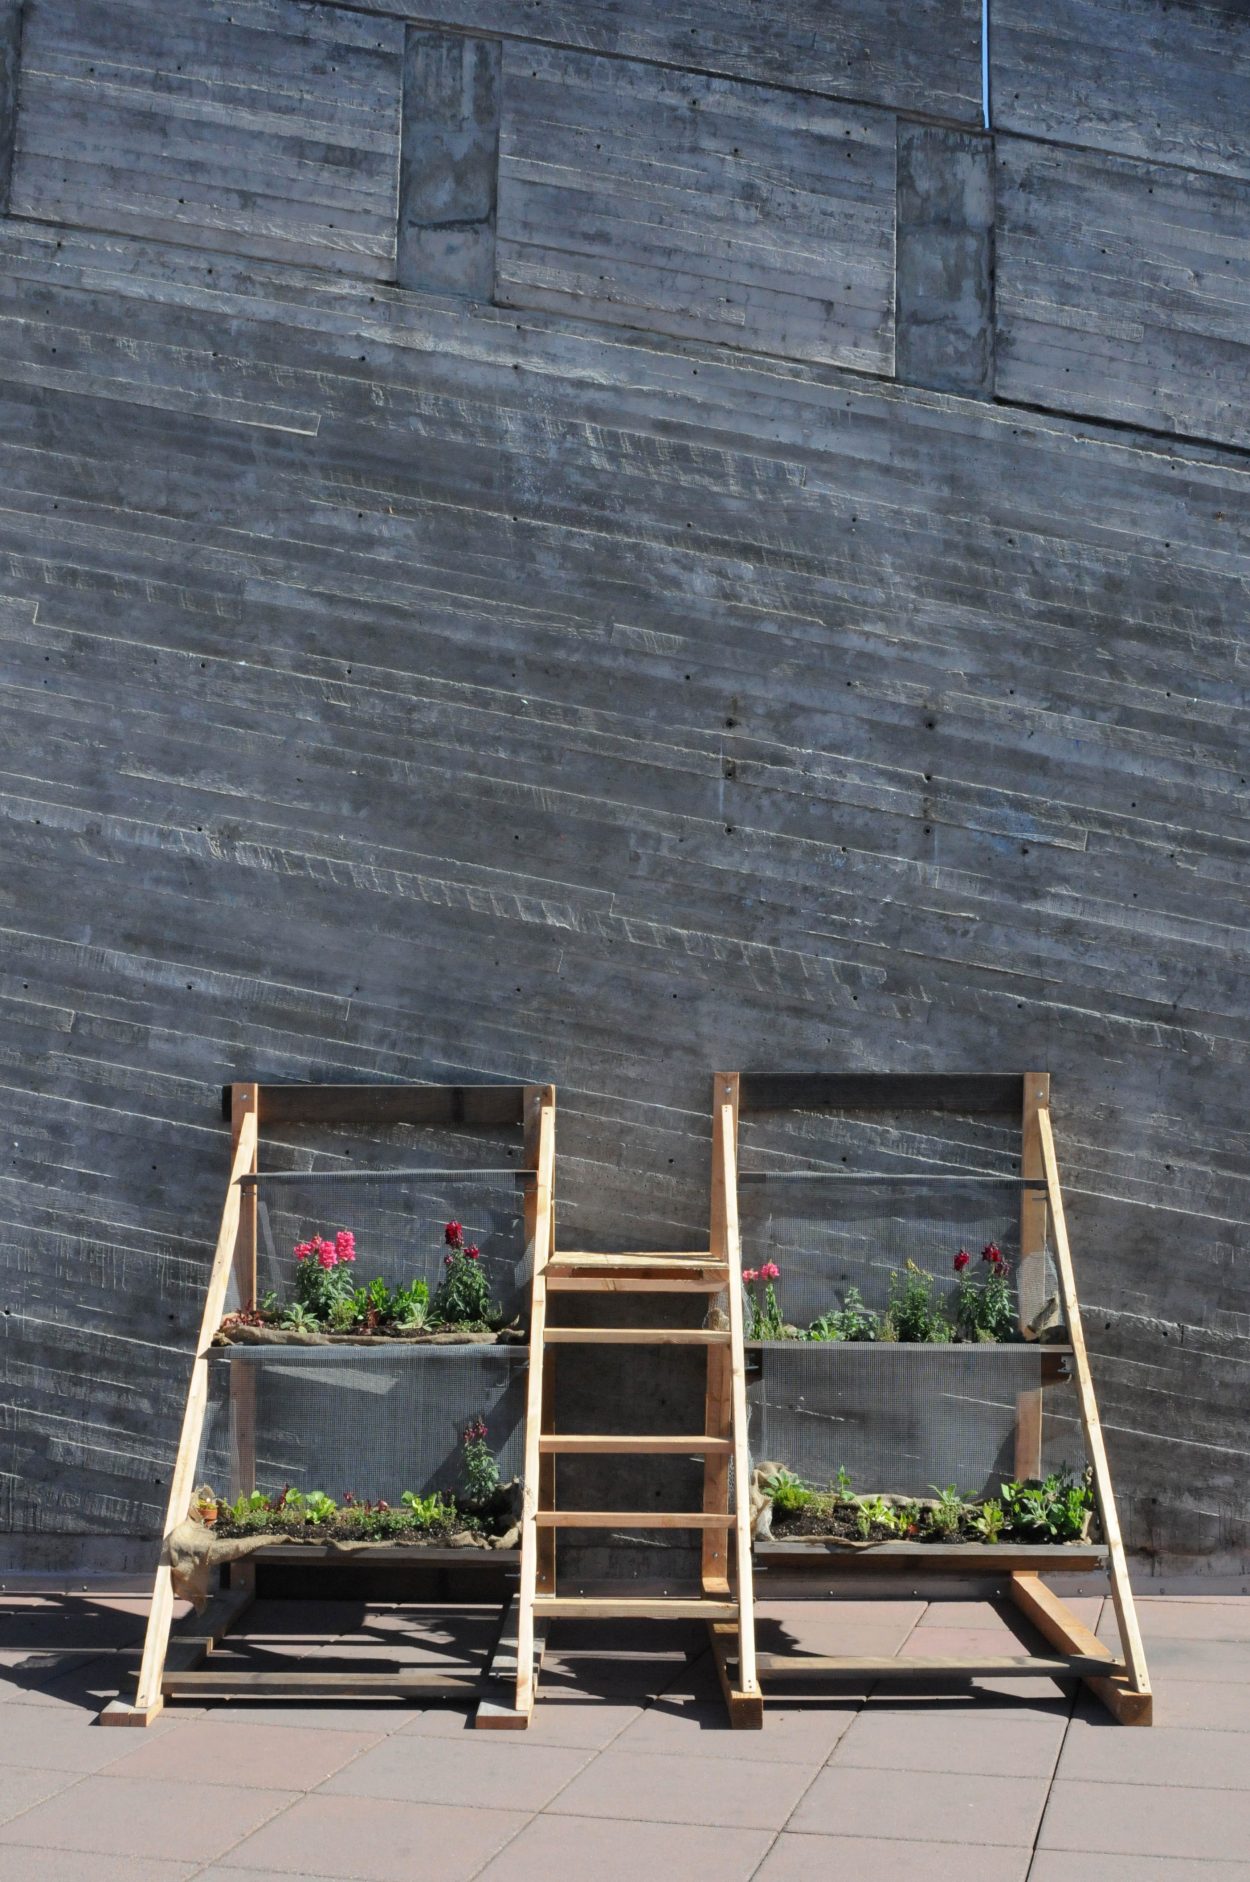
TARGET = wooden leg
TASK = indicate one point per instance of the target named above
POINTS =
(491, 1714)
(181, 1651)
(746, 1709)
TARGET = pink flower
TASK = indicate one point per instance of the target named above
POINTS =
(453, 1234)
(303, 1250)
(473, 1253)
(345, 1245)
(991, 1253)
(961, 1260)
(327, 1256)
(474, 1431)
(770, 1271)
(750, 1274)
(447, 1261)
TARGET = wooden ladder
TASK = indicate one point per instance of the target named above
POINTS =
(724, 1598)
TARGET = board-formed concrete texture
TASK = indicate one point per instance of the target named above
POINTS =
(404, 685)
(1123, 290)
(265, 127)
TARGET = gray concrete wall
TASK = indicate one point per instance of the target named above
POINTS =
(402, 681)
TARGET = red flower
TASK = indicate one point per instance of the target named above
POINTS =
(961, 1260)
(447, 1261)
(453, 1234)
(992, 1253)
(473, 1253)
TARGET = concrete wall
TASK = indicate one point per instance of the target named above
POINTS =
(475, 605)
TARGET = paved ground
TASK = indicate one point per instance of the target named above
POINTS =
(628, 1770)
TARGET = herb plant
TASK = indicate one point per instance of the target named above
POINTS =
(912, 1315)
(851, 1321)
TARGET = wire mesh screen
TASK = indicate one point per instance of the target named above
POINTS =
(399, 1219)
(828, 1234)
(904, 1420)
(376, 1423)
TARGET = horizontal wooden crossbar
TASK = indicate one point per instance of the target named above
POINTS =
(209, 1682)
(964, 1558)
(977, 1666)
(641, 1262)
(559, 1283)
(666, 1445)
(386, 1104)
(632, 1519)
(635, 1336)
(636, 1607)
(901, 1091)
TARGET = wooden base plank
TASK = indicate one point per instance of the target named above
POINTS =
(984, 1666)
(121, 1712)
(1129, 1704)
(667, 1445)
(963, 1558)
(632, 1519)
(236, 1682)
(635, 1607)
(635, 1336)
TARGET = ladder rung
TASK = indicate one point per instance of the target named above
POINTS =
(635, 1336)
(575, 1444)
(699, 1259)
(631, 1284)
(632, 1519)
(633, 1607)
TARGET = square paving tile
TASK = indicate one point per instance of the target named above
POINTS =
(924, 1806)
(795, 1858)
(1142, 1819)
(64, 1738)
(144, 1817)
(1178, 1755)
(23, 1785)
(472, 1768)
(1205, 1704)
(745, 1793)
(390, 1842)
(1067, 1866)
(376, 1721)
(792, 1734)
(582, 1846)
(949, 1739)
(1215, 1660)
(564, 1720)
(21, 1863)
(1178, 1619)
(242, 1755)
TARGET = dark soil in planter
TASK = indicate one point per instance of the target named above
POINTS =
(839, 1524)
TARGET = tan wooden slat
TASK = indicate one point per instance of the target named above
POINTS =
(636, 1607)
(976, 1666)
(148, 1698)
(643, 1443)
(1062, 1629)
(631, 1284)
(634, 1336)
(541, 1146)
(1121, 1591)
(222, 1682)
(727, 1115)
(632, 1519)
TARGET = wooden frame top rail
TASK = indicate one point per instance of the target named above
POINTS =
(385, 1104)
(895, 1091)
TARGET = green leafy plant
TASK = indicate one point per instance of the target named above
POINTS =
(299, 1318)
(462, 1298)
(478, 1464)
(947, 1514)
(1053, 1508)
(984, 1309)
(789, 1493)
(766, 1320)
(318, 1507)
(840, 1488)
(912, 1316)
(851, 1321)
(411, 1306)
(425, 1511)
(989, 1519)
(873, 1512)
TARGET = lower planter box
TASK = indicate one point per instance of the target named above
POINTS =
(952, 1558)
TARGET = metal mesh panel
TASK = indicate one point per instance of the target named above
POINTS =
(376, 1422)
(398, 1218)
(831, 1233)
(903, 1419)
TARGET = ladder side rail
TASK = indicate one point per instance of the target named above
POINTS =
(727, 1126)
(148, 1699)
(542, 1240)
(1121, 1591)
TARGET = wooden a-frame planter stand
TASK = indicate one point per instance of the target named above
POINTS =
(179, 1662)
(1120, 1681)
